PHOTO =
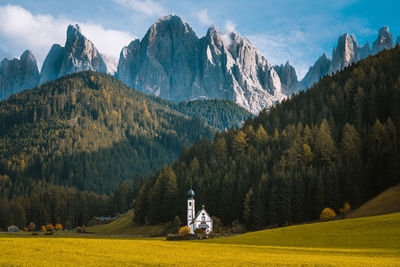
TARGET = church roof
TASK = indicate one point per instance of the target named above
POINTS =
(199, 213)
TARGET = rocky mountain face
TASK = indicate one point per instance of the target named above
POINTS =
(78, 54)
(18, 74)
(398, 40)
(316, 72)
(173, 63)
(384, 41)
(288, 77)
(347, 52)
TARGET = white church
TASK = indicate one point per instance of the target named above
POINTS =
(201, 220)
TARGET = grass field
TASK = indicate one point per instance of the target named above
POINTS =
(125, 226)
(373, 241)
(386, 202)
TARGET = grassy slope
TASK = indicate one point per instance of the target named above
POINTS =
(386, 202)
(372, 241)
(371, 232)
(125, 226)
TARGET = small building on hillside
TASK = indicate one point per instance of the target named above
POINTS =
(201, 220)
(13, 228)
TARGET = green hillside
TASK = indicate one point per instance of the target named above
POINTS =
(338, 141)
(370, 232)
(124, 225)
(218, 113)
(386, 202)
(90, 131)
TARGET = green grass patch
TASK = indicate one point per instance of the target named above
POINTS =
(378, 232)
(124, 225)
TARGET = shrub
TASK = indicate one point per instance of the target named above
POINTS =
(26, 229)
(50, 227)
(83, 229)
(79, 229)
(32, 226)
(346, 208)
(59, 226)
(43, 228)
(184, 230)
(327, 214)
(199, 231)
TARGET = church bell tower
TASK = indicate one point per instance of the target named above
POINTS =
(190, 210)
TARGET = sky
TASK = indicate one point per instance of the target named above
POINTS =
(283, 30)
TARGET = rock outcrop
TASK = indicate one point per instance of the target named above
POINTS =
(17, 75)
(316, 72)
(78, 54)
(173, 63)
(384, 41)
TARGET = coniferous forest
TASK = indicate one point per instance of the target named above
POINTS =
(336, 142)
(65, 146)
(87, 145)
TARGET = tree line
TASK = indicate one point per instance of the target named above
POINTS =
(336, 142)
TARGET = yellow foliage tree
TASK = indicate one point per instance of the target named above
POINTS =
(346, 208)
(32, 226)
(59, 226)
(50, 227)
(184, 231)
(327, 214)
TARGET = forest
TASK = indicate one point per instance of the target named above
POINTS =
(71, 143)
(336, 142)
(88, 139)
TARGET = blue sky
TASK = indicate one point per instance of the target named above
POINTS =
(298, 31)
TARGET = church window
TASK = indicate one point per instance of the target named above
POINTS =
(190, 203)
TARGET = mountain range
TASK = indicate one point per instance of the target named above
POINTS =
(170, 61)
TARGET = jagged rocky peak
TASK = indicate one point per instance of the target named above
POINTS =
(384, 40)
(172, 62)
(78, 54)
(288, 77)
(345, 53)
(17, 75)
(316, 72)
(398, 40)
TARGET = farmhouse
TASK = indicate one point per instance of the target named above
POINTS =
(201, 220)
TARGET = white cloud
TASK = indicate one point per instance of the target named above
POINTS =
(229, 26)
(203, 17)
(226, 37)
(20, 30)
(147, 7)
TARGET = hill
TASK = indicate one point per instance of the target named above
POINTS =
(90, 131)
(338, 141)
(370, 232)
(218, 113)
(386, 202)
(124, 225)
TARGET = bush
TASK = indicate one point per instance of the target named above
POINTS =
(50, 227)
(346, 208)
(81, 229)
(32, 226)
(26, 229)
(184, 231)
(199, 231)
(327, 214)
(59, 226)
(43, 228)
